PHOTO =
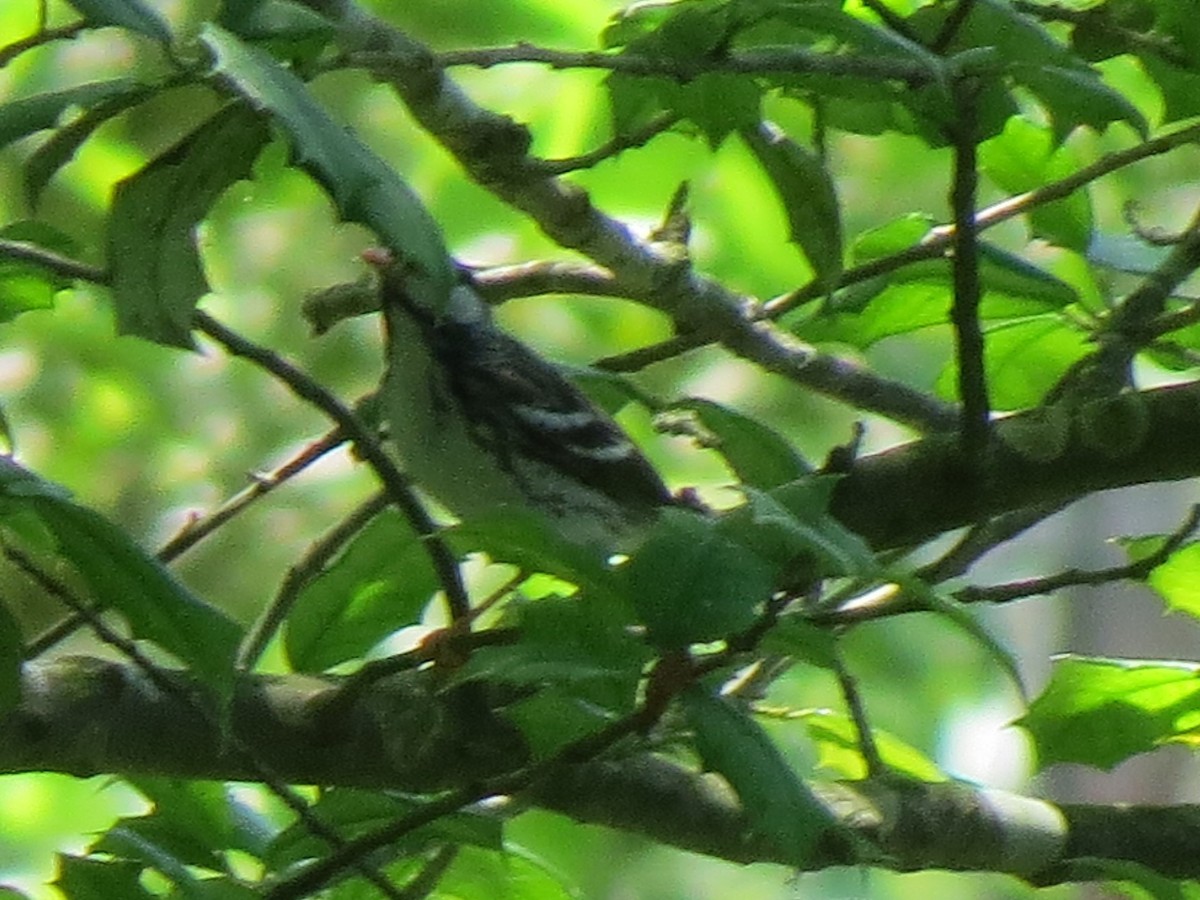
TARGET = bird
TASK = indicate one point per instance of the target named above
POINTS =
(487, 426)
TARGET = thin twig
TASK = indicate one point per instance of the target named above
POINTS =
(397, 485)
(172, 688)
(983, 538)
(261, 484)
(302, 573)
(964, 311)
(616, 145)
(9, 52)
(749, 62)
(939, 239)
(858, 715)
(1135, 571)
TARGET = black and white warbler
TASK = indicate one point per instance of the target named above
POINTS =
(486, 425)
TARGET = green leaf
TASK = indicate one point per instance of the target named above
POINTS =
(801, 640)
(381, 582)
(892, 237)
(122, 577)
(778, 804)
(760, 456)
(61, 146)
(526, 540)
(836, 739)
(1178, 580)
(1103, 711)
(1075, 97)
(92, 879)
(690, 583)
(1025, 358)
(1023, 157)
(808, 197)
(288, 29)
(582, 657)
(793, 520)
(195, 821)
(157, 276)
(27, 285)
(27, 115)
(352, 813)
(363, 187)
(132, 14)
(513, 874)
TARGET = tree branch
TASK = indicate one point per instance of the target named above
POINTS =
(405, 734)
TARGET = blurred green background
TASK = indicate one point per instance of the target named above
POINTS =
(151, 436)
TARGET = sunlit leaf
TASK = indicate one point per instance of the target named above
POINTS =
(1103, 711)
(1178, 580)
(837, 743)
(381, 582)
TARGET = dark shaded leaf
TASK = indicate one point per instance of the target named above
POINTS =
(92, 879)
(779, 805)
(363, 187)
(157, 277)
(132, 14)
(27, 115)
(807, 194)
(60, 148)
(122, 577)
(691, 583)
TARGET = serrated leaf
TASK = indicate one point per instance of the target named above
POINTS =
(27, 285)
(758, 455)
(381, 582)
(93, 879)
(132, 14)
(1103, 711)
(1075, 97)
(363, 187)
(157, 276)
(808, 197)
(1177, 580)
(122, 577)
(778, 804)
(691, 583)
